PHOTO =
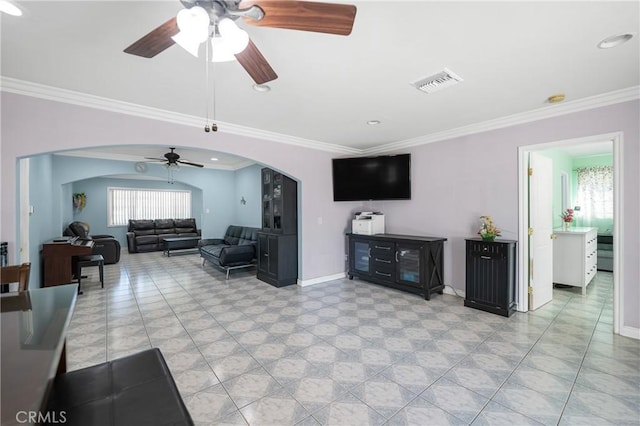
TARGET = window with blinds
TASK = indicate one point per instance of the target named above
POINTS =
(134, 203)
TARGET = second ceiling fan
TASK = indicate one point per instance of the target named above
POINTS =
(330, 18)
(172, 158)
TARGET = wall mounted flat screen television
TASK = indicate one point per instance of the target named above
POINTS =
(385, 177)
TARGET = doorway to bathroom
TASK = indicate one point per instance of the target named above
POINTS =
(576, 165)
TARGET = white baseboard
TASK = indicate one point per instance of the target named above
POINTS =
(305, 283)
(631, 332)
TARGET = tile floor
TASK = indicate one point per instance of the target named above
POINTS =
(353, 353)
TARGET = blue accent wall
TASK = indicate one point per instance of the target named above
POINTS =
(42, 223)
(95, 212)
(248, 188)
(216, 196)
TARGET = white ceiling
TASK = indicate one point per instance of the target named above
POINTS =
(511, 55)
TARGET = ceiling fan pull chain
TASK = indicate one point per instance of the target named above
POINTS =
(206, 76)
(214, 126)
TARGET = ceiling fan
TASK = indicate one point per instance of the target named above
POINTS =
(311, 16)
(172, 159)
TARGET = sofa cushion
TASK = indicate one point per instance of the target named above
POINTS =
(138, 224)
(185, 230)
(146, 239)
(185, 223)
(249, 235)
(140, 232)
(165, 231)
(163, 223)
(212, 250)
(235, 233)
(161, 236)
(188, 234)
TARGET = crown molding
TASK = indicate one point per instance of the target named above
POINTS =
(26, 88)
(37, 90)
(610, 98)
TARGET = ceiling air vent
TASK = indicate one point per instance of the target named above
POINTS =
(437, 81)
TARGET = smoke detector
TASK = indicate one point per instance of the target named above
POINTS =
(439, 81)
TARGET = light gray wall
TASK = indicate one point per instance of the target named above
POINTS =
(457, 180)
(454, 181)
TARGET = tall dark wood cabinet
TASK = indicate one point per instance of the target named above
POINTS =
(491, 276)
(278, 240)
(409, 263)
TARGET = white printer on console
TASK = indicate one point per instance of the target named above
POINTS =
(368, 223)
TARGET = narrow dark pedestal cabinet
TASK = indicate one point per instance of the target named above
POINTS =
(278, 240)
(491, 276)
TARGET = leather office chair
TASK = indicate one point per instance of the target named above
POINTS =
(16, 274)
(106, 245)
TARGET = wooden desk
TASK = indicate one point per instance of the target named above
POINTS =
(34, 328)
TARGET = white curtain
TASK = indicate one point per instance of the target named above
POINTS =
(129, 203)
(595, 196)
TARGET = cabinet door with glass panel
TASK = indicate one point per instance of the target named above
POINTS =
(279, 203)
(267, 199)
(409, 268)
(360, 256)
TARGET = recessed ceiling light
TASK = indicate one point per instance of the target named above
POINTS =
(614, 41)
(373, 122)
(261, 88)
(10, 8)
(554, 99)
(214, 159)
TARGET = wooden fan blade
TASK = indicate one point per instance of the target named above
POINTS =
(328, 18)
(189, 163)
(255, 64)
(156, 41)
(155, 159)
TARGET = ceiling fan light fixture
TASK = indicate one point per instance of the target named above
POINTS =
(220, 51)
(193, 20)
(188, 43)
(10, 8)
(194, 29)
(237, 38)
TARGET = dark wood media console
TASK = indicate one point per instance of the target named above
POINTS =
(405, 262)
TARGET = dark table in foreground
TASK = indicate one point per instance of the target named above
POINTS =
(34, 328)
(179, 243)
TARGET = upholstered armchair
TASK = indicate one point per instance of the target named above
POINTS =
(106, 245)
